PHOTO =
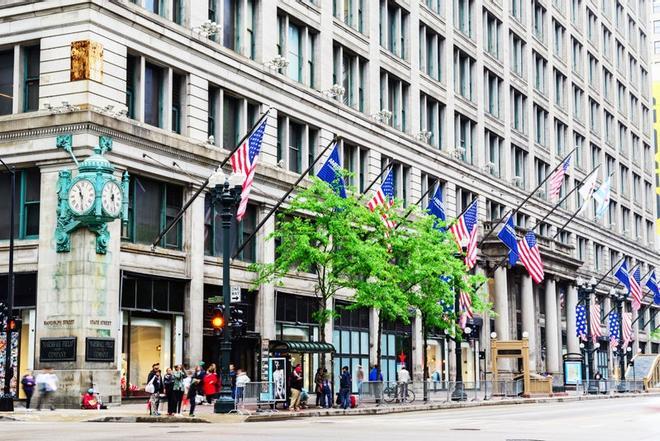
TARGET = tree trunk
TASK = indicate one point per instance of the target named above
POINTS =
(378, 345)
(425, 366)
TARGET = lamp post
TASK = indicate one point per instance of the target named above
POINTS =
(459, 391)
(619, 298)
(227, 193)
(7, 399)
(585, 290)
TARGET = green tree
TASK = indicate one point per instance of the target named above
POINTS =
(333, 238)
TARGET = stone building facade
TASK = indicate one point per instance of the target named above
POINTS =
(481, 97)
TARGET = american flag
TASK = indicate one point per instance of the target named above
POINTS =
(627, 329)
(557, 178)
(636, 290)
(581, 321)
(530, 256)
(465, 228)
(614, 329)
(384, 196)
(244, 160)
(465, 304)
(595, 322)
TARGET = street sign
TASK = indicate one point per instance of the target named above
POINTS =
(235, 295)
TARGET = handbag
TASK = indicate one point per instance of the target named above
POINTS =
(150, 388)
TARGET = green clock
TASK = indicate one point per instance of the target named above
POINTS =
(91, 199)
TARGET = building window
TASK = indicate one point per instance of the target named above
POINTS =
(350, 338)
(560, 89)
(152, 205)
(492, 86)
(493, 146)
(6, 82)
(540, 67)
(394, 28)
(519, 166)
(394, 97)
(541, 169)
(238, 116)
(559, 35)
(492, 29)
(431, 121)
(463, 199)
(297, 43)
(518, 107)
(296, 143)
(153, 94)
(356, 162)
(132, 79)
(31, 79)
(494, 210)
(350, 71)
(240, 231)
(599, 250)
(577, 57)
(540, 125)
(463, 16)
(463, 68)
(351, 12)
(431, 52)
(29, 69)
(27, 203)
(578, 99)
(517, 55)
(594, 116)
(539, 21)
(178, 104)
(560, 137)
(464, 131)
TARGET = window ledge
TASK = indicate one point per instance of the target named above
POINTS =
(19, 244)
(138, 248)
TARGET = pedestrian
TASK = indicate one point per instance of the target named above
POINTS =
(178, 388)
(318, 387)
(168, 386)
(374, 375)
(345, 385)
(327, 390)
(242, 380)
(376, 381)
(28, 383)
(195, 386)
(296, 383)
(232, 379)
(199, 374)
(89, 400)
(154, 387)
(47, 385)
(210, 384)
(186, 388)
(360, 378)
(403, 380)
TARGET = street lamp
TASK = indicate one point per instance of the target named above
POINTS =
(7, 399)
(226, 191)
(619, 298)
(459, 390)
(585, 290)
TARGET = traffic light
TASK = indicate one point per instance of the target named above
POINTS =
(238, 322)
(218, 320)
(14, 324)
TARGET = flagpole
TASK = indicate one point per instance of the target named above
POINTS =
(558, 204)
(653, 314)
(382, 172)
(179, 215)
(283, 198)
(529, 196)
(414, 205)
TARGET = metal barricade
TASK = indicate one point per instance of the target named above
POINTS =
(371, 393)
(254, 397)
(398, 393)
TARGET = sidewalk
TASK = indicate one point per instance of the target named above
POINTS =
(137, 413)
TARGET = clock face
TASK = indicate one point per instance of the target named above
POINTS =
(111, 198)
(81, 196)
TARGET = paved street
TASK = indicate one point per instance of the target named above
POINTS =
(630, 419)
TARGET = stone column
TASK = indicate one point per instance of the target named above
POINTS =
(373, 337)
(529, 318)
(265, 308)
(552, 348)
(417, 362)
(571, 337)
(502, 311)
(194, 307)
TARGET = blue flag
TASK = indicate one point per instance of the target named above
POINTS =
(652, 284)
(508, 236)
(331, 173)
(622, 275)
(437, 208)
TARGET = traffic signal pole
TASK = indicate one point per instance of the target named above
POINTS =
(7, 399)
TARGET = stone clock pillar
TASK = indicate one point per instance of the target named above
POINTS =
(78, 329)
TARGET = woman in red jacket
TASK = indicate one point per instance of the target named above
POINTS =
(211, 384)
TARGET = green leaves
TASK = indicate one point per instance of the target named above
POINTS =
(345, 247)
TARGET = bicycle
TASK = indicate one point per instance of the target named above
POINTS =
(391, 394)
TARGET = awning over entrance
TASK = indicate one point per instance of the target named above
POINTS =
(301, 347)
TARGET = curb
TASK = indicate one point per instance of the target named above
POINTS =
(384, 410)
(146, 419)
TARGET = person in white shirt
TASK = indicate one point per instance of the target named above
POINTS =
(242, 380)
(403, 380)
(47, 386)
